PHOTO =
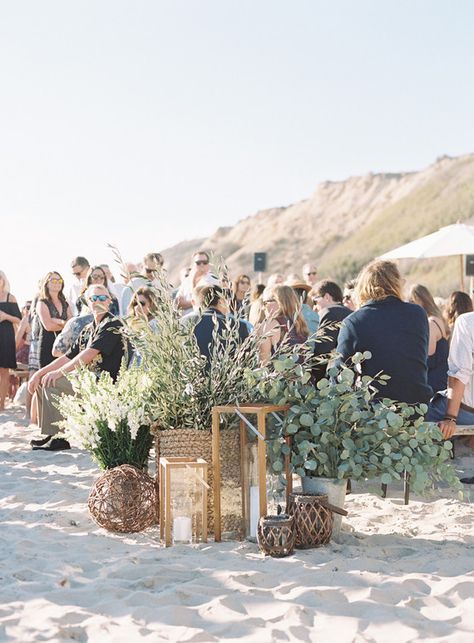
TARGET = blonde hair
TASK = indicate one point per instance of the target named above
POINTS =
(421, 295)
(289, 306)
(6, 283)
(378, 280)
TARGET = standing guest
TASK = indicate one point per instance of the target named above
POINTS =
(284, 321)
(133, 280)
(275, 279)
(153, 266)
(257, 308)
(395, 332)
(197, 277)
(115, 288)
(302, 289)
(327, 297)
(100, 346)
(23, 336)
(310, 274)
(458, 303)
(438, 347)
(96, 275)
(9, 316)
(348, 295)
(79, 266)
(240, 296)
(53, 312)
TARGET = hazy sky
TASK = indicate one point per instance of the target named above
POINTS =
(143, 123)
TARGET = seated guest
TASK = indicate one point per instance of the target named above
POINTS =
(100, 346)
(456, 404)
(348, 295)
(438, 339)
(395, 332)
(214, 313)
(327, 297)
(459, 303)
(284, 321)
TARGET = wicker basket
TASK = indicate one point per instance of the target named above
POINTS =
(193, 443)
(313, 520)
(123, 499)
(276, 535)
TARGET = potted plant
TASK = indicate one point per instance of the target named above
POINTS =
(111, 420)
(339, 432)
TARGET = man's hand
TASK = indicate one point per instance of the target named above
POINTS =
(34, 382)
(50, 378)
(448, 428)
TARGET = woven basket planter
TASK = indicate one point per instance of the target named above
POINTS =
(124, 499)
(192, 443)
(313, 520)
(276, 535)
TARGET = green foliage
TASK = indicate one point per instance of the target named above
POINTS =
(339, 431)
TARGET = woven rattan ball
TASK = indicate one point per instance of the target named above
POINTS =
(123, 499)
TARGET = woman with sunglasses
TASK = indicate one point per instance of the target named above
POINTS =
(9, 315)
(142, 308)
(96, 277)
(53, 312)
(284, 320)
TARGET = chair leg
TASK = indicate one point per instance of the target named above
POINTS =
(384, 490)
(406, 487)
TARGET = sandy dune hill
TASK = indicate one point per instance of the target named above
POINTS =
(344, 224)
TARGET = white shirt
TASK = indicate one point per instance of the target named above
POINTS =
(461, 355)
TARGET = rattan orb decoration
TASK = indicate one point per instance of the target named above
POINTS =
(313, 520)
(276, 535)
(124, 499)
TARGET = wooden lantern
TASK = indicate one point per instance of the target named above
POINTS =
(253, 464)
(183, 500)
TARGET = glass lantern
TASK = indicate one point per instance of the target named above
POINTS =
(183, 500)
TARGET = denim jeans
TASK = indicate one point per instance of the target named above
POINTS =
(438, 407)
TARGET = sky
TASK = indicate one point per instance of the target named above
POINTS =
(144, 123)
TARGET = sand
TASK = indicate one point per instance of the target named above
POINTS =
(399, 573)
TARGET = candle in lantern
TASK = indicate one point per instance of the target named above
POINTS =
(254, 510)
(182, 530)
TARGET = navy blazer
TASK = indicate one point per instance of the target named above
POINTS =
(396, 333)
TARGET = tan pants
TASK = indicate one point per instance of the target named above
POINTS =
(48, 414)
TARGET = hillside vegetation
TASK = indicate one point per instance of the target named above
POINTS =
(347, 223)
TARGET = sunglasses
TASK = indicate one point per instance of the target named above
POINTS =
(97, 276)
(269, 301)
(142, 302)
(99, 297)
(150, 270)
(55, 280)
(346, 298)
(201, 263)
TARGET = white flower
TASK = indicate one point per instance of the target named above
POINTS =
(189, 390)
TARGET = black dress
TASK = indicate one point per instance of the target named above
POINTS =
(47, 337)
(7, 334)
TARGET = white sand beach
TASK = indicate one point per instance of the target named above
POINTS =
(400, 573)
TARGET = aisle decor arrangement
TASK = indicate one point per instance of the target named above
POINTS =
(339, 431)
(112, 422)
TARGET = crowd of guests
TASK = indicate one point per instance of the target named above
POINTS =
(425, 346)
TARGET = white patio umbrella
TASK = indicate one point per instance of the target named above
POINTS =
(455, 239)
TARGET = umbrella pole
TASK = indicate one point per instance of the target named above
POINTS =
(461, 257)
